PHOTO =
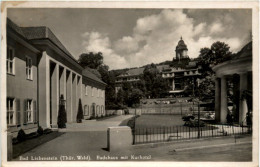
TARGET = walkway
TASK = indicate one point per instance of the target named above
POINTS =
(95, 125)
(93, 145)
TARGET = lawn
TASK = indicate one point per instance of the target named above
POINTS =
(159, 124)
(155, 121)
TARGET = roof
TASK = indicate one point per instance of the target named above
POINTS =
(162, 67)
(181, 45)
(87, 73)
(133, 72)
(246, 51)
(42, 32)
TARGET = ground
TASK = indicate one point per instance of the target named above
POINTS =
(152, 121)
(86, 142)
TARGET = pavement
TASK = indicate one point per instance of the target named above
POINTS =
(89, 142)
(95, 125)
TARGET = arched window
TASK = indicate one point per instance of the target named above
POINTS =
(86, 110)
(102, 110)
(97, 108)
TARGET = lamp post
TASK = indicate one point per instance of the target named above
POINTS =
(181, 106)
(199, 119)
(198, 101)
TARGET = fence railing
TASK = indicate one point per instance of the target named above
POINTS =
(174, 133)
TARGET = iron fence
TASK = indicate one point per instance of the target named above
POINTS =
(166, 134)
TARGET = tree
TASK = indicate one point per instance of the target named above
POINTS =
(217, 53)
(62, 116)
(91, 60)
(160, 87)
(80, 112)
(134, 97)
(155, 85)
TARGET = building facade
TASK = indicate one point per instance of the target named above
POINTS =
(233, 80)
(40, 70)
(180, 73)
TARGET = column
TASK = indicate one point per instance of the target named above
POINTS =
(74, 98)
(62, 82)
(223, 103)
(217, 99)
(243, 104)
(69, 95)
(173, 84)
(54, 94)
(44, 91)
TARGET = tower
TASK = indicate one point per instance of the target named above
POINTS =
(181, 50)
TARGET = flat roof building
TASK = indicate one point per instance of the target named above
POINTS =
(39, 70)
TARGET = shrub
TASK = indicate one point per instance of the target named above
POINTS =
(47, 131)
(21, 135)
(80, 113)
(40, 130)
(62, 117)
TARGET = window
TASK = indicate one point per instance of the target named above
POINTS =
(86, 110)
(10, 108)
(28, 68)
(102, 110)
(10, 61)
(28, 116)
(86, 91)
(92, 91)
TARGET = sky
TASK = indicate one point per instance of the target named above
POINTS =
(136, 37)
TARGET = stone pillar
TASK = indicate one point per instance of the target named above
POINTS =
(62, 82)
(173, 84)
(74, 97)
(217, 99)
(69, 95)
(243, 105)
(55, 94)
(223, 103)
(44, 90)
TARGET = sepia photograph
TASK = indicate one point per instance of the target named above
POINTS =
(104, 82)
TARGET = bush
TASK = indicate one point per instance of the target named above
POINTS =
(40, 130)
(62, 117)
(80, 112)
(21, 135)
(47, 131)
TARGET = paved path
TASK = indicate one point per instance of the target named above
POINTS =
(90, 141)
(93, 145)
(95, 125)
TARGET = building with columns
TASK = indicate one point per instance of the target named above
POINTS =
(182, 71)
(233, 78)
(39, 70)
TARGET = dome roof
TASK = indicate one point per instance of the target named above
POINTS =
(181, 45)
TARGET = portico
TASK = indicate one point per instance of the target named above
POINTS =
(233, 77)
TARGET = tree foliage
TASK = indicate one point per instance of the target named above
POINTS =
(155, 85)
(91, 60)
(80, 112)
(208, 57)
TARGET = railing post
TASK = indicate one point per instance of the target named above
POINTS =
(212, 130)
(189, 132)
(163, 133)
(146, 133)
(177, 133)
(201, 132)
(133, 136)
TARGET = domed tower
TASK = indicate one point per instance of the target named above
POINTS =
(181, 50)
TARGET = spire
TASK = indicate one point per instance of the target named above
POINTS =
(181, 37)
